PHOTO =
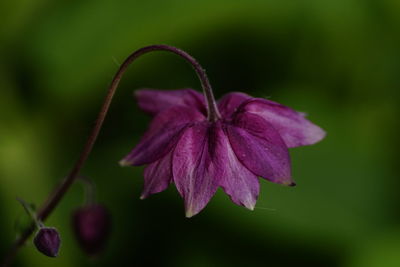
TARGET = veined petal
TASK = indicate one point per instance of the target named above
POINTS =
(193, 167)
(162, 135)
(293, 127)
(236, 180)
(260, 148)
(229, 103)
(157, 176)
(154, 101)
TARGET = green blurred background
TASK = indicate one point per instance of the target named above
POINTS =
(337, 60)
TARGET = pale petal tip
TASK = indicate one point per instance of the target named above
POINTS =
(138, 92)
(315, 135)
(319, 135)
(190, 212)
(322, 134)
(249, 203)
(250, 206)
(142, 197)
(124, 163)
(289, 183)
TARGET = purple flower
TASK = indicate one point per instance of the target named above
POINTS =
(248, 139)
(47, 241)
(92, 225)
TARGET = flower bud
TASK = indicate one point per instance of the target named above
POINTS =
(47, 241)
(92, 225)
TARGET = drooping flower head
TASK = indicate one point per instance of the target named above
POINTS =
(195, 143)
(247, 138)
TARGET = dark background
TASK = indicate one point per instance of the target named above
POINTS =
(337, 60)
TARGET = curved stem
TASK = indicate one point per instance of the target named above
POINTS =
(89, 190)
(55, 197)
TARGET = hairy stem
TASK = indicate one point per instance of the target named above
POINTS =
(55, 197)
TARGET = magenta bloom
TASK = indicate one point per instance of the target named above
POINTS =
(249, 139)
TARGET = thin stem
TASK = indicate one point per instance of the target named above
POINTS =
(89, 190)
(30, 212)
(55, 197)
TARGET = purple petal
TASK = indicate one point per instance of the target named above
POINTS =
(194, 171)
(260, 148)
(154, 101)
(229, 103)
(237, 181)
(294, 129)
(157, 176)
(162, 135)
